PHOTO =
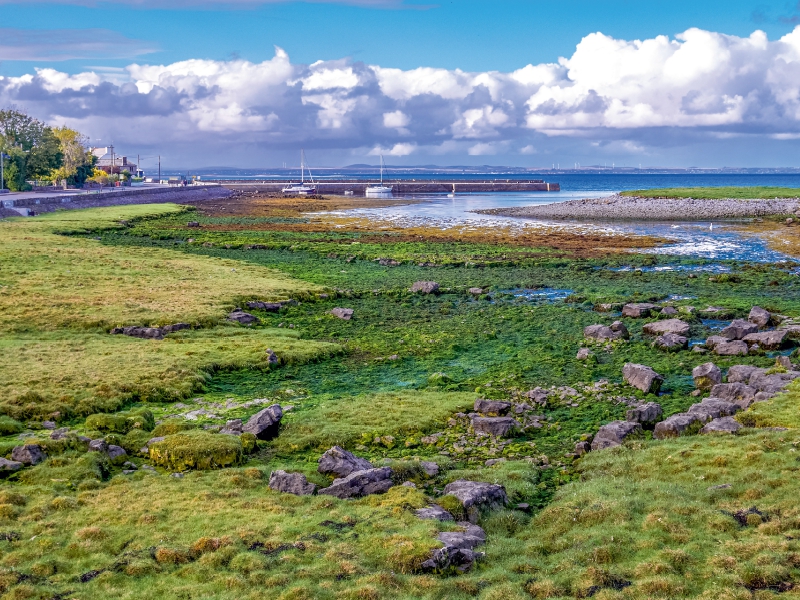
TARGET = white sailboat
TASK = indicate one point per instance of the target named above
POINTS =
(379, 190)
(302, 189)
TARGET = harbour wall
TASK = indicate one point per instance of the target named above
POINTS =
(402, 187)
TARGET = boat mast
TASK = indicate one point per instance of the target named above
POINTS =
(302, 161)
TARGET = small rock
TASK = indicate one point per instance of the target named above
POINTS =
(722, 425)
(699, 350)
(679, 424)
(9, 466)
(493, 461)
(739, 393)
(360, 483)
(759, 316)
(265, 423)
(266, 306)
(409, 484)
(475, 291)
(769, 340)
(495, 426)
(713, 340)
(642, 378)
(676, 326)
(177, 475)
(232, 427)
(584, 354)
(434, 512)
(244, 318)
(341, 463)
(99, 445)
(646, 414)
(785, 362)
(582, 448)
(193, 224)
(431, 469)
(291, 483)
(671, 341)
(59, 434)
(714, 408)
(706, 376)
(29, 454)
(458, 550)
(491, 407)
(272, 358)
(425, 287)
(614, 434)
(638, 310)
(115, 452)
(48, 425)
(733, 348)
(601, 332)
(738, 329)
(669, 310)
(476, 496)
(343, 313)
(742, 373)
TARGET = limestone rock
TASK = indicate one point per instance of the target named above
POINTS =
(742, 373)
(772, 384)
(9, 466)
(584, 354)
(476, 496)
(638, 310)
(265, 423)
(425, 287)
(678, 425)
(738, 393)
(343, 313)
(714, 408)
(713, 340)
(434, 512)
(676, 326)
(614, 433)
(669, 310)
(244, 318)
(232, 427)
(341, 463)
(360, 483)
(768, 340)
(431, 469)
(722, 425)
(738, 329)
(148, 333)
(599, 332)
(265, 306)
(291, 483)
(732, 348)
(29, 454)
(495, 426)
(491, 407)
(759, 316)
(619, 328)
(642, 378)
(706, 376)
(671, 341)
(646, 414)
(458, 551)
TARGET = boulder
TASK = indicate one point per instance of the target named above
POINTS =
(732, 348)
(638, 310)
(759, 316)
(232, 427)
(676, 326)
(619, 328)
(768, 340)
(738, 329)
(434, 512)
(738, 393)
(713, 340)
(614, 433)
(9, 466)
(458, 551)
(671, 341)
(425, 287)
(584, 354)
(722, 425)
(600, 332)
(360, 483)
(772, 384)
(343, 313)
(341, 463)
(476, 496)
(265, 423)
(115, 453)
(491, 407)
(642, 378)
(706, 376)
(646, 414)
(291, 483)
(494, 426)
(244, 318)
(714, 408)
(678, 425)
(742, 373)
(29, 454)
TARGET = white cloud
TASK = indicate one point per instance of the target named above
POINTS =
(624, 95)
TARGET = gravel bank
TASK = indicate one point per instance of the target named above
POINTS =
(618, 207)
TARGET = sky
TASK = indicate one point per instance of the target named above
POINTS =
(534, 83)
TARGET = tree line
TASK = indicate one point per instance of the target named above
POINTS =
(39, 152)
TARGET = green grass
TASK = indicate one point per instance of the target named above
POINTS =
(717, 193)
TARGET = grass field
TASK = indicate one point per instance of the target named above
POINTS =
(718, 193)
(639, 522)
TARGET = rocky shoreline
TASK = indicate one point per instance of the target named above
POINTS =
(618, 207)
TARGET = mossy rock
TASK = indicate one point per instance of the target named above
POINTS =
(197, 450)
(452, 505)
(122, 422)
(172, 426)
(249, 442)
(9, 426)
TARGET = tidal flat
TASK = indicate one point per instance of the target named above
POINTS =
(199, 513)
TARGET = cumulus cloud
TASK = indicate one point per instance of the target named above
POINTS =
(67, 44)
(629, 95)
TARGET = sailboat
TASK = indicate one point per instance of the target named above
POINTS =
(379, 190)
(301, 189)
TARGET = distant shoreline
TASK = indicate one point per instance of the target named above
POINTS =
(635, 208)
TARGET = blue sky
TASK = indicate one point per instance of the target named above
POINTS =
(355, 104)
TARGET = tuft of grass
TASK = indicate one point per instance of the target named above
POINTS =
(718, 193)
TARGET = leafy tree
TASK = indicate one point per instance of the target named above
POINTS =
(78, 162)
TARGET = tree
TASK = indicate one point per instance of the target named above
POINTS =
(78, 162)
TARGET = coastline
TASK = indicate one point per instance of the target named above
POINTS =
(617, 207)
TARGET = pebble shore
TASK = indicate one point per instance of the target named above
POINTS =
(618, 207)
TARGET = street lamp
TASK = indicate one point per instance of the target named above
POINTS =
(3, 156)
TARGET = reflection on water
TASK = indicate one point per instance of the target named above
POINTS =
(692, 239)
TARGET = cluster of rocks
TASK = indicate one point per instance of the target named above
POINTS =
(747, 336)
(150, 333)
